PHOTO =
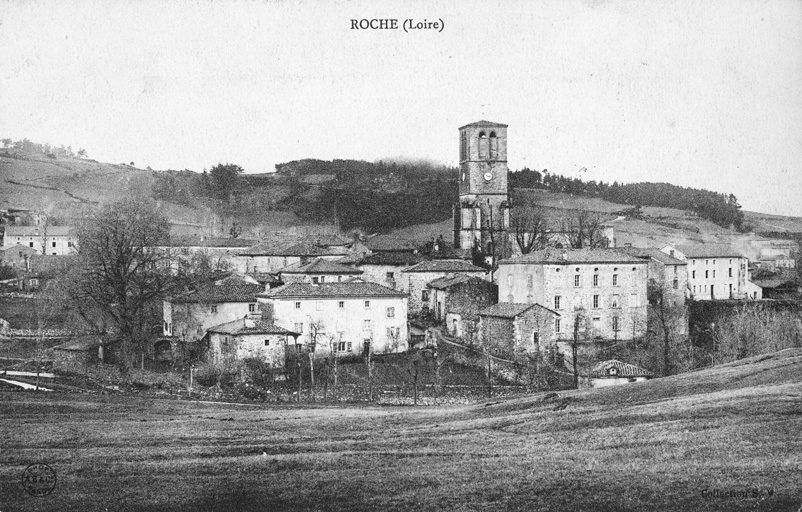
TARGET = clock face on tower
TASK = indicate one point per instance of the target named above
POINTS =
(488, 176)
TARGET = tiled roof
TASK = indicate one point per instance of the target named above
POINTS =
(320, 266)
(444, 266)
(572, 256)
(443, 283)
(228, 290)
(39, 230)
(709, 251)
(651, 252)
(211, 241)
(298, 249)
(511, 309)
(332, 290)
(483, 123)
(616, 368)
(264, 277)
(247, 326)
(772, 284)
(398, 259)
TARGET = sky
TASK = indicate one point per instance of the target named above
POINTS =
(700, 94)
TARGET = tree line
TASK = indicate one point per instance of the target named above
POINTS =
(33, 148)
(721, 209)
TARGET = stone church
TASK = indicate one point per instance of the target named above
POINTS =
(482, 215)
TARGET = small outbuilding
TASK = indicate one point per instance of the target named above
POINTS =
(84, 351)
(614, 372)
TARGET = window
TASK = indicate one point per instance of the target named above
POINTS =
(557, 301)
(714, 262)
(54, 244)
(30, 244)
(694, 288)
(616, 301)
(730, 262)
(315, 280)
(596, 301)
(707, 274)
(633, 300)
(319, 305)
(341, 304)
(322, 279)
(714, 274)
(299, 348)
(707, 262)
(595, 279)
(297, 305)
(267, 343)
(214, 308)
(390, 276)
(615, 279)
(675, 284)
(730, 272)
(424, 295)
(391, 312)
(251, 308)
(166, 329)
(343, 346)
(577, 280)
(366, 325)
(299, 327)
(557, 325)
(616, 326)
(671, 253)
(367, 304)
(693, 274)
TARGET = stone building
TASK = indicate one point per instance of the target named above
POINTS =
(346, 317)
(458, 298)
(668, 272)
(482, 215)
(603, 290)
(509, 330)
(271, 257)
(317, 271)
(249, 338)
(415, 279)
(385, 268)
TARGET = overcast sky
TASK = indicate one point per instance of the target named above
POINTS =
(703, 94)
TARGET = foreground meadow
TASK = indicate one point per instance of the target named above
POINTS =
(726, 438)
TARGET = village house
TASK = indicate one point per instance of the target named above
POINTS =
(270, 257)
(50, 240)
(317, 271)
(17, 256)
(220, 252)
(346, 317)
(600, 293)
(612, 373)
(714, 271)
(668, 273)
(414, 279)
(384, 268)
(187, 317)
(458, 298)
(509, 330)
(781, 288)
(248, 338)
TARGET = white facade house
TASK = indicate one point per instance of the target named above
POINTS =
(346, 317)
(189, 316)
(715, 272)
(49, 240)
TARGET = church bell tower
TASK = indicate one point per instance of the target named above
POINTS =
(482, 216)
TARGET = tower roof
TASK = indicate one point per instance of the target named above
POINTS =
(483, 123)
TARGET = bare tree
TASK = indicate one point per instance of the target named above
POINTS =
(529, 228)
(579, 326)
(317, 331)
(669, 317)
(120, 272)
(584, 230)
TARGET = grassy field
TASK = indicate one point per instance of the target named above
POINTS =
(726, 438)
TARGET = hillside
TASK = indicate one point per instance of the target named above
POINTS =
(723, 438)
(316, 194)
